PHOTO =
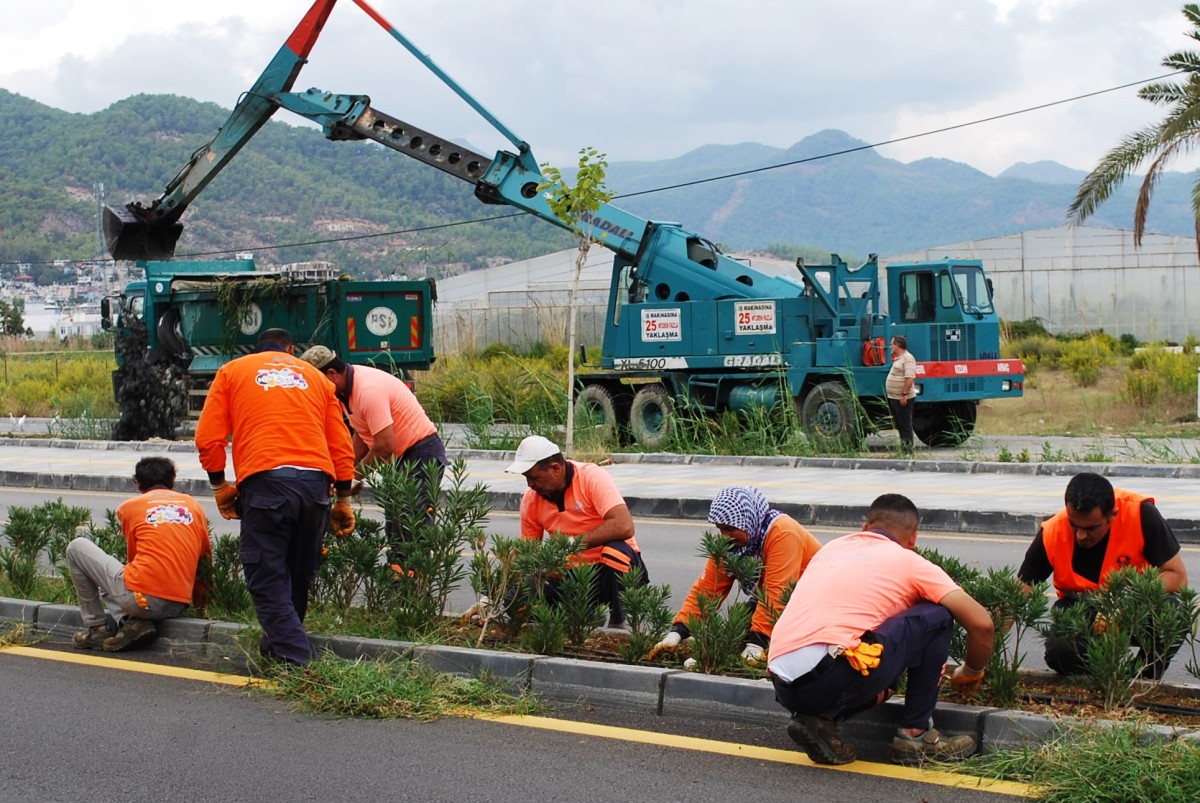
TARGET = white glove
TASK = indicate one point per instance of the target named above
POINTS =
(753, 654)
(668, 644)
(478, 612)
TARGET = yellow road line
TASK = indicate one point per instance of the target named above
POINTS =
(767, 754)
(134, 666)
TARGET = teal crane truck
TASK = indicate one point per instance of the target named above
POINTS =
(686, 323)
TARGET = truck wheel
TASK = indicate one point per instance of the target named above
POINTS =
(650, 417)
(829, 415)
(595, 413)
(944, 424)
(170, 336)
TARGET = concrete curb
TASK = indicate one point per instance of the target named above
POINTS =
(666, 692)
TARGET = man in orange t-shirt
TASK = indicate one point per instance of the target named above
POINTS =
(578, 499)
(166, 537)
(867, 610)
(289, 446)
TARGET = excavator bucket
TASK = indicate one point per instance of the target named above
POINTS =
(130, 236)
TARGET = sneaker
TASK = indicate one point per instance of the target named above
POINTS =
(930, 746)
(821, 739)
(133, 633)
(91, 638)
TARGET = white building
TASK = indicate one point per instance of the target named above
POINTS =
(1077, 278)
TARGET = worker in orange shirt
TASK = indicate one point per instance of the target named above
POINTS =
(166, 537)
(289, 445)
(745, 517)
(387, 424)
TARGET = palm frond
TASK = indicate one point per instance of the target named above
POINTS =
(1196, 212)
(1142, 208)
(1107, 177)
(1192, 12)
(1164, 94)
(1186, 60)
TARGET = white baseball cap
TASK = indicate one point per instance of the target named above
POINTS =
(532, 451)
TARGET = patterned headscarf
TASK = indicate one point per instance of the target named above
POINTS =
(746, 509)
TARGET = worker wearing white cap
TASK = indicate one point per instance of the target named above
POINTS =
(578, 499)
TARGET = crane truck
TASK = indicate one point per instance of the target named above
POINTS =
(686, 323)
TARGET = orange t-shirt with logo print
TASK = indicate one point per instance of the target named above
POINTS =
(166, 536)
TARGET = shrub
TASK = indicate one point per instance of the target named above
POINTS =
(1142, 387)
(1084, 358)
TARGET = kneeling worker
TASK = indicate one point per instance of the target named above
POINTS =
(578, 499)
(743, 515)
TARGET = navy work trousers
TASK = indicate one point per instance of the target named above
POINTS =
(916, 640)
(285, 515)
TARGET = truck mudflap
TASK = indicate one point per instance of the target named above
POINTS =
(131, 236)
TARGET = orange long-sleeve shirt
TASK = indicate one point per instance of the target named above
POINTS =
(787, 549)
(280, 411)
(166, 535)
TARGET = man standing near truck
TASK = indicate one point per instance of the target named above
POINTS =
(289, 445)
(388, 424)
(901, 393)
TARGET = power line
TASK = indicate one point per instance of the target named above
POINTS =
(696, 182)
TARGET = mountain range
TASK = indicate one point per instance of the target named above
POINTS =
(329, 200)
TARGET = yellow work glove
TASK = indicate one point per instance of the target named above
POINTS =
(966, 679)
(341, 517)
(479, 611)
(864, 657)
(226, 496)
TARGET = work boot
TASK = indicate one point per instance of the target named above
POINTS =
(91, 638)
(913, 751)
(821, 739)
(133, 633)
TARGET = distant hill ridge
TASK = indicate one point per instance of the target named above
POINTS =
(291, 185)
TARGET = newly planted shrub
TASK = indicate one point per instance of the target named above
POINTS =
(546, 632)
(1015, 613)
(582, 614)
(646, 612)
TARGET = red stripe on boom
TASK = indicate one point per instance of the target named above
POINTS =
(305, 36)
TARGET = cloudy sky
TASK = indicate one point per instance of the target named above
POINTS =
(645, 79)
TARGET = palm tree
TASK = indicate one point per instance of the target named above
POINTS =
(1177, 134)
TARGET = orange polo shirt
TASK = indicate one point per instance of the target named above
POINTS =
(378, 400)
(591, 494)
(166, 535)
(281, 411)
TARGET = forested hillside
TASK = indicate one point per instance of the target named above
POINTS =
(290, 186)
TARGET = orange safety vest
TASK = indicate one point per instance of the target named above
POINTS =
(1126, 544)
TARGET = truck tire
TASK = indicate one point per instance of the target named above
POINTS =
(830, 418)
(942, 425)
(650, 417)
(596, 413)
(170, 336)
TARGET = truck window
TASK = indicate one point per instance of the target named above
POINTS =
(135, 306)
(946, 294)
(973, 288)
(917, 297)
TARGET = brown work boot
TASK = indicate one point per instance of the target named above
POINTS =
(91, 638)
(913, 751)
(133, 633)
(821, 739)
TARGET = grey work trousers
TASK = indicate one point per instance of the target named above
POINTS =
(99, 579)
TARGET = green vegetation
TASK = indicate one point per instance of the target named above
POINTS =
(392, 689)
(1126, 762)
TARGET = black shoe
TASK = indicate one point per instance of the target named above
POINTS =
(821, 739)
(132, 633)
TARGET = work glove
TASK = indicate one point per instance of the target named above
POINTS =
(356, 487)
(226, 496)
(668, 644)
(341, 517)
(864, 657)
(478, 612)
(754, 654)
(966, 679)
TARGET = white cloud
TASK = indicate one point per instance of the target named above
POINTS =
(645, 79)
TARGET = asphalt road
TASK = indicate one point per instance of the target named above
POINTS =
(671, 548)
(93, 732)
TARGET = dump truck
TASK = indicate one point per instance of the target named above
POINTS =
(176, 327)
(686, 323)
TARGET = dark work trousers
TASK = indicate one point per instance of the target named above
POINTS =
(417, 458)
(285, 515)
(607, 588)
(902, 414)
(916, 640)
(1068, 657)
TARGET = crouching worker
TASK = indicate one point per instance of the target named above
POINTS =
(867, 610)
(580, 500)
(166, 536)
(744, 516)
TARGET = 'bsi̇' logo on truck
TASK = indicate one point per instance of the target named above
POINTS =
(606, 226)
